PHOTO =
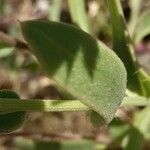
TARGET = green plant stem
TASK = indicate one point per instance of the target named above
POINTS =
(41, 105)
(10, 105)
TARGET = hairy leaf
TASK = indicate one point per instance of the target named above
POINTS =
(81, 65)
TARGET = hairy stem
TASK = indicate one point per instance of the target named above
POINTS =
(41, 105)
(10, 105)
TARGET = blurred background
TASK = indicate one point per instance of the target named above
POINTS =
(19, 71)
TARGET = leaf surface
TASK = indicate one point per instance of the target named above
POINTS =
(78, 63)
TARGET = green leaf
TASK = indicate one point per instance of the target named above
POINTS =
(10, 121)
(134, 140)
(143, 27)
(81, 65)
(78, 14)
(123, 47)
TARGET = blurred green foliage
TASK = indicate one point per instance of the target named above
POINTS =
(93, 17)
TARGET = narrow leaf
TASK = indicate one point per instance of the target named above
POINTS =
(123, 47)
(79, 64)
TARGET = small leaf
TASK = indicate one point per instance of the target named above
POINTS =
(10, 121)
(143, 27)
(84, 67)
